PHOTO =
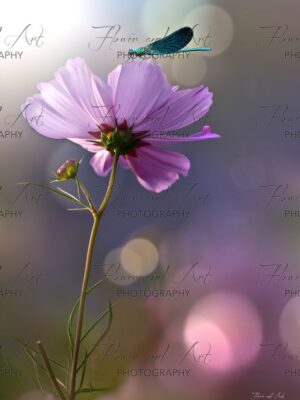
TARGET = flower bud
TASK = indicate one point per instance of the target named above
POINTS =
(68, 170)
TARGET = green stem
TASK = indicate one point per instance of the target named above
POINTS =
(97, 217)
(86, 193)
(110, 185)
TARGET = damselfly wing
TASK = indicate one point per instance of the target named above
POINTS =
(173, 43)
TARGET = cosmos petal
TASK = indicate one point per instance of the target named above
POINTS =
(177, 137)
(183, 108)
(138, 89)
(157, 169)
(102, 162)
(70, 105)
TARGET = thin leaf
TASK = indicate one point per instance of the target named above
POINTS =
(97, 321)
(71, 196)
(86, 194)
(35, 367)
(30, 353)
(37, 364)
(71, 317)
(100, 338)
(91, 390)
(78, 187)
(27, 346)
(57, 190)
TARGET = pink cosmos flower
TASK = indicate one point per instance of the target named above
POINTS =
(134, 111)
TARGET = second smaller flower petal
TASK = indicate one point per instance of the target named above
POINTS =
(157, 169)
(102, 162)
(177, 137)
